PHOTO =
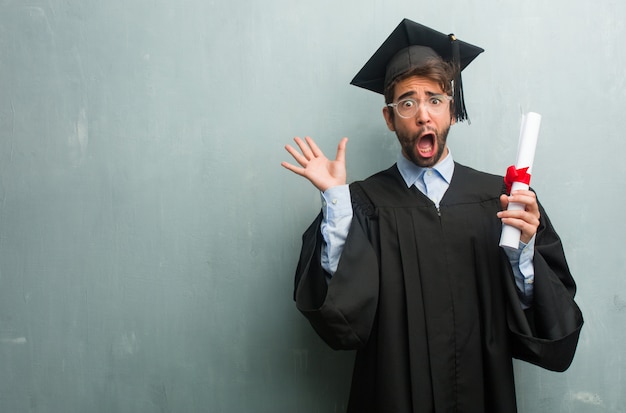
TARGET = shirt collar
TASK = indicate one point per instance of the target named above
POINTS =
(411, 172)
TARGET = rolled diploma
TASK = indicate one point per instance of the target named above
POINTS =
(529, 132)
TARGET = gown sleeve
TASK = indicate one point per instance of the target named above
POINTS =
(342, 310)
(547, 333)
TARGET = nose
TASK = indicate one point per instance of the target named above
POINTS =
(422, 116)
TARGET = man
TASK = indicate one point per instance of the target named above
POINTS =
(405, 266)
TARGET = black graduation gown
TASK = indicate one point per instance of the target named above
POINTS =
(428, 298)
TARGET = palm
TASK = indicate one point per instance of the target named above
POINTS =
(315, 166)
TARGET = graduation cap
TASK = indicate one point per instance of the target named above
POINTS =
(409, 46)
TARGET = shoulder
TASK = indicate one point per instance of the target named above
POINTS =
(366, 194)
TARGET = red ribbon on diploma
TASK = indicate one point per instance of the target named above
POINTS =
(516, 175)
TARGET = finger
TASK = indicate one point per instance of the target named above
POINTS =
(293, 168)
(527, 229)
(523, 220)
(518, 214)
(341, 151)
(304, 147)
(504, 201)
(315, 150)
(526, 198)
(296, 155)
(524, 192)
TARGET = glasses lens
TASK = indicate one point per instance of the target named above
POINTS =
(407, 108)
(435, 105)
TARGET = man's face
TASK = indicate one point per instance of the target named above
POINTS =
(422, 137)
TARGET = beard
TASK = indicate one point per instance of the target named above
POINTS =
(410, 144)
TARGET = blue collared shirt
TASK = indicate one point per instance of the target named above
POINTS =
(432, 182)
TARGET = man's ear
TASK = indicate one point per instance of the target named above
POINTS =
(389, 118)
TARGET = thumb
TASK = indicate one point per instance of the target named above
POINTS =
(341, 150)
(504, 201)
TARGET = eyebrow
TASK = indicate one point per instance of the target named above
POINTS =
(411, 93)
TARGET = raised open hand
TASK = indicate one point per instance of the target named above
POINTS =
(317, 168)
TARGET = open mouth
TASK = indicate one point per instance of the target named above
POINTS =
(426, 145)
